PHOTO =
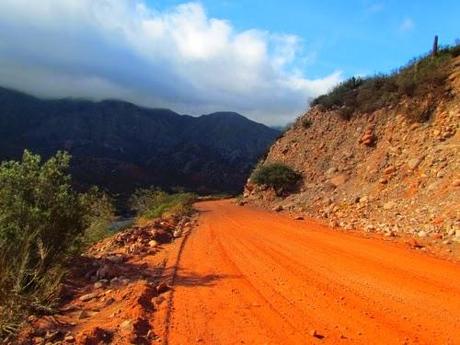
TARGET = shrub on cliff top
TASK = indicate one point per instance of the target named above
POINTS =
(277, 175)
(421, 77)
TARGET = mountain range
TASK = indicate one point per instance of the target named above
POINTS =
(121, 146)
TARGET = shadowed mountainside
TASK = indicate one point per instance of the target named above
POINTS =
(121, 146)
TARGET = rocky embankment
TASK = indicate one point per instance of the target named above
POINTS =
(113, 291)
(376, 172)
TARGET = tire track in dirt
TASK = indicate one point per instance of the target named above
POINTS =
(248, 276)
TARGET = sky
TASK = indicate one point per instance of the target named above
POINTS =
(264, 59)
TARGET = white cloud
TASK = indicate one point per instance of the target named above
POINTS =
(407, 25)
(179, 58)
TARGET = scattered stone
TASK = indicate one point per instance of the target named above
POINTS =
(389, 205)
(333, 224)
(162, 236)
(83, 314)
(109, 301)
(364, 199)
(38, 340)
(98, 285)
(421, 234)
(88, 297)
(69, 339)
(126, 325)
(457, 236)
(162, 287)
(116, 259)
(414, 163)
(32, 318)
(414, 244)
(106, 272)
(369, 227)
(53, 336)
(298, 218)
(331, 171)
(278, 208)
(437, 236)
(389, 170)
(338, 180)
(314, 333)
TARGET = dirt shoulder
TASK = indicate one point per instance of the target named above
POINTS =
(112, 293)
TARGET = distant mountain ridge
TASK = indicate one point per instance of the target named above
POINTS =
(121, 146)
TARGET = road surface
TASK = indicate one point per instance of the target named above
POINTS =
(248, 276)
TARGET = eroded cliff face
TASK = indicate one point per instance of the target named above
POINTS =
(376, 172)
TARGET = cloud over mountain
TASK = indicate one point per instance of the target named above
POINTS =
(178, 58)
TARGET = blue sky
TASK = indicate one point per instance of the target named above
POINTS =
(264, 59)
(354, 36)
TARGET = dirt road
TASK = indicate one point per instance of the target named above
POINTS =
(252, 277)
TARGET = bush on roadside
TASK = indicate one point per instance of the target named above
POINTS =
(153, 203)
(276, 175)
(43, 222)
(100, 214)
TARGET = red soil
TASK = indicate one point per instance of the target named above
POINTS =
(248, 276)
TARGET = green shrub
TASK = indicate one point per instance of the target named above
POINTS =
(306, 123)
(455, 51)
(339, 95)
(153, 203)
(277, 175)
(43, 221)
(99, 215)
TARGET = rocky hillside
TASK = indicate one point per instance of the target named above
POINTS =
(383, 170)
(121, 146)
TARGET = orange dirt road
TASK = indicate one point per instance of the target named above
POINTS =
(247, 276)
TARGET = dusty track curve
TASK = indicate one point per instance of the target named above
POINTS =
(252, 277)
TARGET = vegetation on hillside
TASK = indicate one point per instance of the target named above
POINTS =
(153, 203)
(422, 77)
(43, 222)
(277, 175)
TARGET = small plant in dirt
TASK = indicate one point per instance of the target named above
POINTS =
(306, 123)
(153, 203)
(276, 175)
(43, 222)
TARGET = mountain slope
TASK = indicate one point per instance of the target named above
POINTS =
(121, 146)
(391, 168)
